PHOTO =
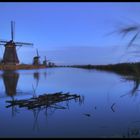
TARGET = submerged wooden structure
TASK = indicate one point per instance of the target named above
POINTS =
(46, 100)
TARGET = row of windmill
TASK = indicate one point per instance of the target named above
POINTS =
(45, 62)
(10, 56)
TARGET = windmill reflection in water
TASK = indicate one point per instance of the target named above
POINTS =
(10, 80)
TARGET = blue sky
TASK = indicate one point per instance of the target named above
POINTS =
(69, 33)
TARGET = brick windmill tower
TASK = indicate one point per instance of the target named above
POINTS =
(10, 56)
(36, 60)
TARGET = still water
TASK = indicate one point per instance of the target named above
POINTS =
(110, 105)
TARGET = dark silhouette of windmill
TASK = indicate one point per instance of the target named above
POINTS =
(10, 54)
(45, 61)
(36, 60)
(48, 62)
(51, 64)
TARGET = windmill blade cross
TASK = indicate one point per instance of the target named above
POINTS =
(3, 41)
(22, 43)
(37, 52)
(12, 32)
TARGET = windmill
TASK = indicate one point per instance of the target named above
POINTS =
(50, 64)
(45, 61)
(10, 54)
(36, 58)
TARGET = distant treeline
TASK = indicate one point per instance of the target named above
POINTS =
(121, 68)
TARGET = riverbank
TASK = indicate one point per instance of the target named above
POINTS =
(21, 66)
(121, 68)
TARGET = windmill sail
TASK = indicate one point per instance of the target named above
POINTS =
(12, 30)
(37, 53)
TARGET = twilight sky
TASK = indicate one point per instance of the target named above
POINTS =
(70, 32)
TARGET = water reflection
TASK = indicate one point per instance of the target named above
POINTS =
(50, 110)
(48, 103)
(131, 77)
(36, 76)
(96, 116)
(135, 78)
(136, 83)
(133, 131)
(10, 80)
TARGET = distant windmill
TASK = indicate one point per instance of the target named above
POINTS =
(36, 60)
(10, 54)
(45, 61)
(50, 64)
